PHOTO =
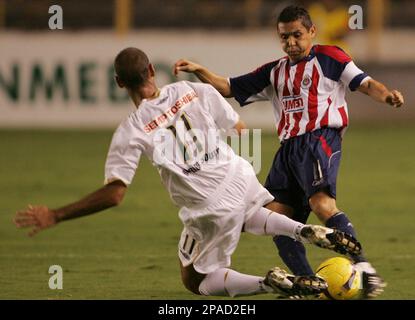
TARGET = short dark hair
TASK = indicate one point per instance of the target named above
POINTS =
(294, 13)
(131, 67)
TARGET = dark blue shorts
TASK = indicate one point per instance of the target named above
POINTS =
(303, 166)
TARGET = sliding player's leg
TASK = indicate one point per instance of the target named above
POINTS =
(267, 222)
(205, 248)
(228, 282)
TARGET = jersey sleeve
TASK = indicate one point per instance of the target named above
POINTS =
(353, 76)
(337, 65)
(123, 155)
(252, 86)
(221, 111)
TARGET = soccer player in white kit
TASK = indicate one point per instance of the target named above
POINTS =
(217, 191)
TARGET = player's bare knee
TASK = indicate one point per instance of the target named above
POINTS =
(323, 205)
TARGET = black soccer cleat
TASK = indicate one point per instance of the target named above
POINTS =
(309, 285)
(331, 239)
(344, 243)
(288, 285)
(372, 284)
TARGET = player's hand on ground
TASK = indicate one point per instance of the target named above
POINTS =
(35, 217)
(185, 66)
(395, 99)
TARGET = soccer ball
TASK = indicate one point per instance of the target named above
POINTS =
(344, 281)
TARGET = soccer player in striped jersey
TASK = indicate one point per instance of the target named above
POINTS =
(177, 127)
(307, 90)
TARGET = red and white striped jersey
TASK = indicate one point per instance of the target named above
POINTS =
(307, 95)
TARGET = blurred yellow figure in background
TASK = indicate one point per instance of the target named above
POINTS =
(331, 19)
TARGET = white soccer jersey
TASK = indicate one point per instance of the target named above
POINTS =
(177, 131)
(307, 95)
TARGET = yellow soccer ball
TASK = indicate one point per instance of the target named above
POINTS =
(344, 281)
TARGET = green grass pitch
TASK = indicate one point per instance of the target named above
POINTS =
(130, 252)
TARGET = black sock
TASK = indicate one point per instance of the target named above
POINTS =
(340, 222)
(293, 254)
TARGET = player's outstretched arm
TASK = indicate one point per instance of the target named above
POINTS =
(218, 82)
(42, 217)
(380, 93)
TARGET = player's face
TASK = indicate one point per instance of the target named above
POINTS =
(295, 39)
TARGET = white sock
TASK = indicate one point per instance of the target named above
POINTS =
(267, 222)
(227, 282)
(365, 267)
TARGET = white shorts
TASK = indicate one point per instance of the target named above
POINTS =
(211, 234)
